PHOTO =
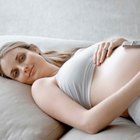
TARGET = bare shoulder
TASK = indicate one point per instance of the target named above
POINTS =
(53, 101)
(44, 91)
(42, 83)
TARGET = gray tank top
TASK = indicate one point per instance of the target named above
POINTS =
(76, 74)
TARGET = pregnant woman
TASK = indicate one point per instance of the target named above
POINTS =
(72, 87)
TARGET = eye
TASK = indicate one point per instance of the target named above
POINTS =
(22, 57)
(15, 73)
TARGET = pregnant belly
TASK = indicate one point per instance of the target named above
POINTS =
(115, 72)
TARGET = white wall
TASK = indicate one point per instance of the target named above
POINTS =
(71, 19)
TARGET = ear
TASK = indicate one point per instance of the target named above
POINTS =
(34, 48)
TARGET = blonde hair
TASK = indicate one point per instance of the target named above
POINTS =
(57, 58)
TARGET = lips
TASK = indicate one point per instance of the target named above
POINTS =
(32, 71)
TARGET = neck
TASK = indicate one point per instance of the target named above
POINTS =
(53, 70)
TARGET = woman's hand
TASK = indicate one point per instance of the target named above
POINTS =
(105, 49)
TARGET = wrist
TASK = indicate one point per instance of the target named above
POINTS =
(119, 41)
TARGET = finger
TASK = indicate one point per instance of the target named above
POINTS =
(104, 52)
(110, 49)
(95, 55)
(109, 53)
(99, 53)
(103, 55)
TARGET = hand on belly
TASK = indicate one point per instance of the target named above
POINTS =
(114, 73)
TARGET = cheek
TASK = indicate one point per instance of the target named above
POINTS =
(25, 81)
(35, 59)
(28, 80)
(22, 79)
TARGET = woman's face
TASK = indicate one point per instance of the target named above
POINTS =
(23, 65)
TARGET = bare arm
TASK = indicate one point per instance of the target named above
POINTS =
(55, 103)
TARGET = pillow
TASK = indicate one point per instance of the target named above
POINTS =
(20, 116)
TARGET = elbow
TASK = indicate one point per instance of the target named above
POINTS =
(90, 128)
(90, 124)
(93, 127)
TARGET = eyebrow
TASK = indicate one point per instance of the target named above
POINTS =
(11, 72)
(16, 58)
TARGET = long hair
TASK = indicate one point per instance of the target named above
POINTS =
(57, 58)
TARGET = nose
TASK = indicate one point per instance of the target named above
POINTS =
(25, 69)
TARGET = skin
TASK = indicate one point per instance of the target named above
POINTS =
(117, 76)
(28, 60)
(20, 69)
(45, 89)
